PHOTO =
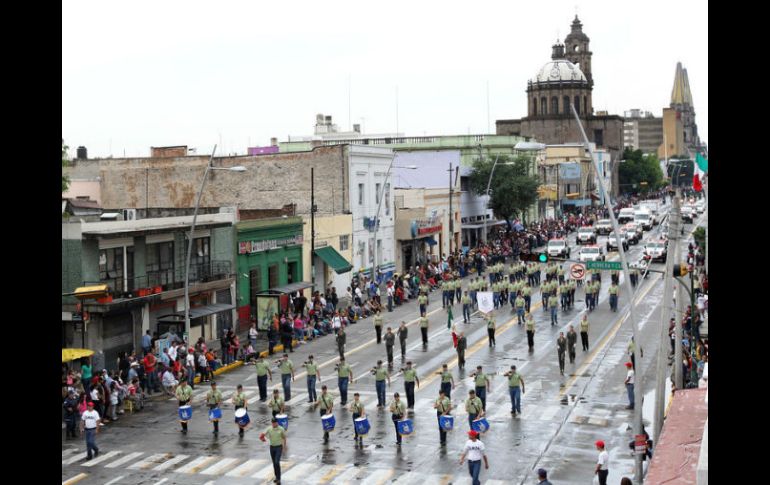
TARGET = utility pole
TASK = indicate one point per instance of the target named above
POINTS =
(678, 377)
(312, 231)
(638, 385)
(451, 214)
(666, 309)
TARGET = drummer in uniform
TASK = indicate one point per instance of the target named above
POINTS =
(357, 408)
(482, 382)
(442, 405)
(276, 437)
(276, 404)
(214, 399)
(327, 403)
(398, 410)
(239, 401)
(183, 393)
(474, 407)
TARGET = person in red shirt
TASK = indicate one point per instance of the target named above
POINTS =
(454, 335)
(149, 362)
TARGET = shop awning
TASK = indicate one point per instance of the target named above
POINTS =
(93, 291)
(481, 225)
(197, 312)
(430, 240)
(68, 355)
(291, 288)
(334, 259)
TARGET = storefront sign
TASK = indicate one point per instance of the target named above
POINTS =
(267, 306)
(429, 225)
(371, 222)
(247, 247)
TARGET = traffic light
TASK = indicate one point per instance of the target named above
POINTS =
(680, 269)
(542, 257)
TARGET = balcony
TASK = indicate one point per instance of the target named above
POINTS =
(165, 280)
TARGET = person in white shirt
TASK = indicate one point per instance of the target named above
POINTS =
(336, 322)
(391, 294)
(169, 382)
(172, 353)
(253, 334)
(89, 424)
(190, 367)
(359, 296)
(474, 449)
(630, 385)
(602, 463)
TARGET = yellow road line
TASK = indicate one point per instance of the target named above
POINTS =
(601, 344)
(74, 479)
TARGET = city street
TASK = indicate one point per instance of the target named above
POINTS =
(561, 416)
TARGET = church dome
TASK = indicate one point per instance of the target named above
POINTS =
(560, 70)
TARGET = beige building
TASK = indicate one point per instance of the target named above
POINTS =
(331, 232)
(569, 178)
(422, 225)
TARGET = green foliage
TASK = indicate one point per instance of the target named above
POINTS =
(639, 168)
(512, 190)
(65, 162)
(700, 237)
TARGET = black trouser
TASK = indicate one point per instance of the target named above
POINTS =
(571, 354)
(603, 477)
(424, 331)
(262, 383)
(561, 362)
(389, 349)
(441, 432)
(461, 358)
(409, 394)
(216, 421)
(491, 334)
(531, 338)
(396, 418)
(378, 330)
(275, 455)
(341, 349)
(403, 348)
(584, 340)
(70, 420)
(447, 388)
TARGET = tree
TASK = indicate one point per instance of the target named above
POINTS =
(65, 162)
(512, 190)
(639, 172)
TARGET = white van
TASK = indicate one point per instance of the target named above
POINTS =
(626, 215)
(644, 218)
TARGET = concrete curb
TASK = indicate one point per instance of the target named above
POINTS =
(239, 363)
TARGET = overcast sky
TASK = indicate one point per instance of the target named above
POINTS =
(140, 74)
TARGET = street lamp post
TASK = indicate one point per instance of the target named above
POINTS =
(192, 232)
(377, 214)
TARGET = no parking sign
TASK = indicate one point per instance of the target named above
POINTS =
(577, 271)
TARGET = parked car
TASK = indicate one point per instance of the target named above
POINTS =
(603, 227)
(612, 241)
(558, 248)
(586, 235)
(644, 218)
(687, 214)
(591, 253)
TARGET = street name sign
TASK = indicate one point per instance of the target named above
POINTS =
(611, 265)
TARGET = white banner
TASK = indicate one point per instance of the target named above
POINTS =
(486, 302)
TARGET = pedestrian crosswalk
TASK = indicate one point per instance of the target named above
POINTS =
(258, 469)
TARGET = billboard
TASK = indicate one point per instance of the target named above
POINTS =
(267, 306)
(569, 170)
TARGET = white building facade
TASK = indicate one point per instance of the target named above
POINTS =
(368, 171)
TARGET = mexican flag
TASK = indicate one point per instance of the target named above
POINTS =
(703, 163)
(701, 171)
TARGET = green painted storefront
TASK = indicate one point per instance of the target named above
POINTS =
(268, 255)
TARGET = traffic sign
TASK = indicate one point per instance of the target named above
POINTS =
(577, 271)
(611, 265)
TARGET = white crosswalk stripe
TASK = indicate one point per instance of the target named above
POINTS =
(549, 412)
(68, 452)
(75, 479)
(326, 473)
(495, 482)
(219, 467)
(115, 480)
(245, 468)
(149, 461)
(379, 477)
(78, 457)
(347, 476)
(102, 458)
(267, 472)
(196, 465)
(417, 478)
(125, 459)
(169, 463)
(298, 472)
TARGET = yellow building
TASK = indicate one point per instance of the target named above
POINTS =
(333, 252)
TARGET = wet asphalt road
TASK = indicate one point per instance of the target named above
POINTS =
(561, 417)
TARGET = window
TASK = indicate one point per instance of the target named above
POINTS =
(599, 137)
(377, 193)
(585, 104)
(272, 276)
(465, 184)
(577, 104)
(255, 286)
(160, 263)
(543, 106)
(116, 268)
(200, 259)
(554, 105)
(387, 199)
(360, 194)
(534, 106)
(565, 105)
(345, 242)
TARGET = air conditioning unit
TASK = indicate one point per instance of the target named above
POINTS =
(129, 214)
